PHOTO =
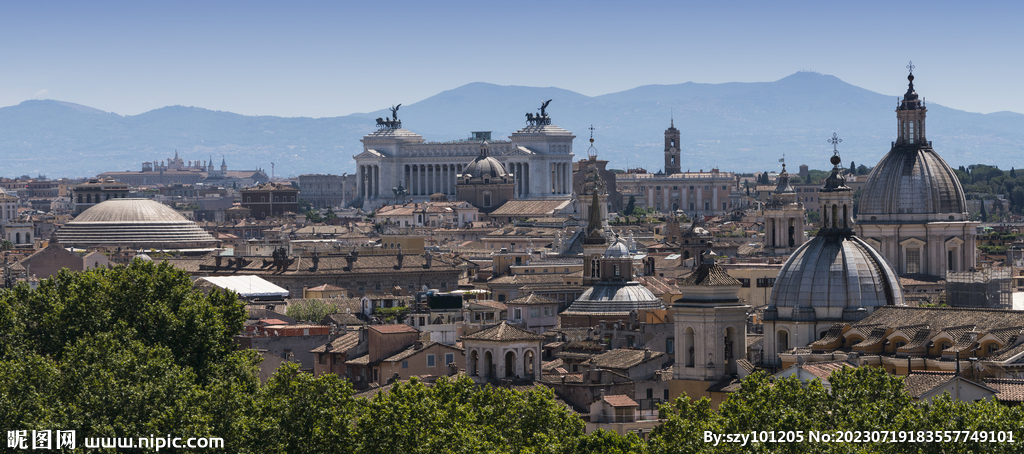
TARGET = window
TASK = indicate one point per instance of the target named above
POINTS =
(725, 188)
(431, 361)
(765, 282)
(534, 312)
(616, 270)
(449, 358)
(650, 393)
(724, 205)
(487, 199)
(745, 282)
(691, 188)
(666, 394)
(707, 188)
(913, 260)
(675, 188)
(275, 199)
(517, 314)
(707, 206)
(670, 346)
(323, 358)
(263, 199)
(501, 298)
(547, 311)
(405, 364)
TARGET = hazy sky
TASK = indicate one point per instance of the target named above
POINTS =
(321, 59)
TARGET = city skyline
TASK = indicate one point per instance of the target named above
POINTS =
(328, 60)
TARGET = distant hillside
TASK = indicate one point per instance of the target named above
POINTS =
(734, 126)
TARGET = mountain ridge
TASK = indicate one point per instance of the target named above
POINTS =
(740, 126)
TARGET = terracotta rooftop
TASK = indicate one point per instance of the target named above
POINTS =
(709, 275)
(531, 299)
(1009, 390)
(392, 329)
(624, 358)
(503, 332)
(620, 400)
(339, 345)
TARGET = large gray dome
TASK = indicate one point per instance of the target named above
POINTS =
(835, 271)
(912, 180)
(133, 223)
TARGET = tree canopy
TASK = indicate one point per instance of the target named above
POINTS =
(135, 350)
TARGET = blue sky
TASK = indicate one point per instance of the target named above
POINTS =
(322, 59)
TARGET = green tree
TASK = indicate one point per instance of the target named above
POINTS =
(310, 310)
(630, 206)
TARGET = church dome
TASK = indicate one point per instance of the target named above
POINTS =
(617, 249)
(133, 223)
(836, 271)
(836, 275)
(614, 299)
(912, 180)
(484, 165)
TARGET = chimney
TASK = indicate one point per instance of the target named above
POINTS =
(647, 353)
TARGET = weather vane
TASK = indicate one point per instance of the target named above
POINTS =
(911, 66)
(592, 152)
(835, 141)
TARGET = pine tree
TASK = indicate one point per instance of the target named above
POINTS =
(853, 167)
(1013, 174)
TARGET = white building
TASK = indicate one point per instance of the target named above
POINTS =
(539, 156)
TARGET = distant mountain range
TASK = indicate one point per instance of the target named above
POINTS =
(733, 126)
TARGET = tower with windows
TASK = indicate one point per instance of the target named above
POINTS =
(783, 219)
(710, 328)
(672, 149)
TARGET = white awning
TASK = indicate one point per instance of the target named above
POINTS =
(248, 286)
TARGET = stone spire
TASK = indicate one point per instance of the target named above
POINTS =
(595, 213)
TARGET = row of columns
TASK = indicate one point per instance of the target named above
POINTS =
(427, 179)
(369, 181)
(682, 202)
(561, 177)
(521, 173)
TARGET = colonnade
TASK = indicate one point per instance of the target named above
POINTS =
(369, 181)
(521, 173)
(561, 177)
(427, 179)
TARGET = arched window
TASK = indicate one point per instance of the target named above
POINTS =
(691, 352)
(846, 216)
(835, 214)
(781, 341)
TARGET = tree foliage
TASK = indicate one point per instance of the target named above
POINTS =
(135, 350)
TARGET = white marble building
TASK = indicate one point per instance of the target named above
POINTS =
(538, 156)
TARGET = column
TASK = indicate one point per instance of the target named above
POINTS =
(526, 179)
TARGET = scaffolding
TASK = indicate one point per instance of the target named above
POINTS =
(988, 288)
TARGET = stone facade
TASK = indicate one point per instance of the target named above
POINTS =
(538, 156)
(322, 191)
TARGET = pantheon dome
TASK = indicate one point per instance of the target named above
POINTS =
(134, 224)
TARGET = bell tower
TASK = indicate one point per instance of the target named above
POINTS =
(672, 149)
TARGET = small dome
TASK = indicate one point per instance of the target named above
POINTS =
(913, 180)
(134, 223)
(836, 271)
(484, 165)
(614, 299)
(617, 249)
